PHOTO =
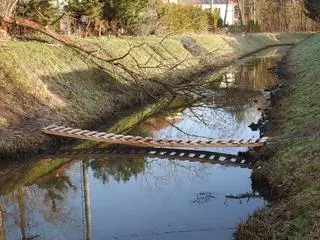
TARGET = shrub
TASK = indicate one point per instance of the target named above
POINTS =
(126, 14)
(179, 18)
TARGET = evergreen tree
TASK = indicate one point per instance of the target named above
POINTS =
(92, 9)
(41, 11)
(88, 15)
(125, 13)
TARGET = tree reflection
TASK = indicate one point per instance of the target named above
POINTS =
(118, 168)
(56, 184)
(254, 75)
(121, 169)
(1, 221)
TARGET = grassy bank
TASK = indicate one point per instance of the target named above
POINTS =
(293, 173)
(45, 83)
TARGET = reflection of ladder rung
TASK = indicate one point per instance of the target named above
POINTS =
(233, 160)
(176, 154)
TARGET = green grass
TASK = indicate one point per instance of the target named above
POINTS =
(242, 45)
(294, 172)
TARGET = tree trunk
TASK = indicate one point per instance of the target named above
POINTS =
(240, 13)
(7, 8)
(87, 29)
(1, 223)
(226, 13)
(86, 189)
(22, 213)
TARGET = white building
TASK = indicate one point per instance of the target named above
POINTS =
(222, 6)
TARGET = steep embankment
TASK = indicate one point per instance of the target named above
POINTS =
(293, 173)
(43, 83)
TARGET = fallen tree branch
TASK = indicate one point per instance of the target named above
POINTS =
(64, 39)
(99, 55)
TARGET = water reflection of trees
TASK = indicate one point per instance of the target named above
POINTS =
(1, 222)
(55, 190)
(254, 75)
(217, 114)
(48, 195)
(120, 169)
(160, 172)
(43, 201)
(154, 171)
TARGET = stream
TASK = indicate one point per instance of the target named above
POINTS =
(84, 195)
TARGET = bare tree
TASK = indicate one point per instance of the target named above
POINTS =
(284, 15)
(240, 12)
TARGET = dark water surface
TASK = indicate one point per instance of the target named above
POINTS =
(134, 196)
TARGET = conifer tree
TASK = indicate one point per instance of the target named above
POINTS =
(92, 9)
(124, 12)
(40, 11)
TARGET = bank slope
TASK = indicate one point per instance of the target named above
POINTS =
(293, 173)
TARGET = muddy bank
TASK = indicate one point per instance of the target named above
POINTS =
(289, 169)
(44, 83)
